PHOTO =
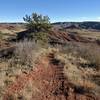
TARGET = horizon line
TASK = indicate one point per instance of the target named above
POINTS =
(51, 21)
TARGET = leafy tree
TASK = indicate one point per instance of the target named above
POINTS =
(38, 26)
(37, 22)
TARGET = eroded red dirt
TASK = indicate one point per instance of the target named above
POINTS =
(62, 37)
(50, 81)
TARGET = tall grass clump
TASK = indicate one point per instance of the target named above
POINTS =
(91, 53)
(25, 54)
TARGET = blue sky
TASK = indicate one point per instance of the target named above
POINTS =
(57, 10)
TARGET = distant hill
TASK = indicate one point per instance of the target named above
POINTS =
(79, 25)
(61, 25)
(11, 27)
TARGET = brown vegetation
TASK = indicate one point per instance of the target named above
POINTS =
(71, 71)
(47, 81)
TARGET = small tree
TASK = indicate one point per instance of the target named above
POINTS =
(37, 22)
(38, 26)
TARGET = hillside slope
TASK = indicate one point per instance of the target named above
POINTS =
(49, 81)
(78, 25)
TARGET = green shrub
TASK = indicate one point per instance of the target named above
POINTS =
(37, 22)
(38, 27)
(40, 37)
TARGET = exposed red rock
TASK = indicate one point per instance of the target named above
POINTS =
(62, 37)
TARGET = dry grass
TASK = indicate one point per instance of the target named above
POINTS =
(25, 52)
(23, 60)
(29, 92)
(78, 75)
(89, 52)
(11, 29)
(77, 59)
(86, 33)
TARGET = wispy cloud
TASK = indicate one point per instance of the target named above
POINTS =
(89, 19)
(78, 19)
(98, 18)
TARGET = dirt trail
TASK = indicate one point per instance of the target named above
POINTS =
(50, 81)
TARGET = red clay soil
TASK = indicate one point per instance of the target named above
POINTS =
(60, 36)
(52, 82)
(7, 26)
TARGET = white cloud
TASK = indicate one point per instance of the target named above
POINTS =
(90, 19)
(98, 18)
